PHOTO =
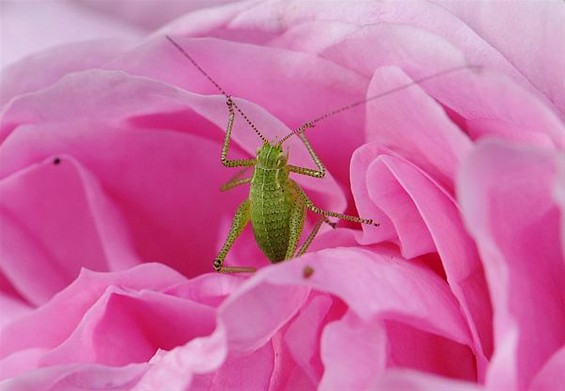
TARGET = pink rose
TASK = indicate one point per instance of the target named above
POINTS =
(111, 214)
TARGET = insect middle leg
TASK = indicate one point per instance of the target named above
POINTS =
(236, 180)
(296, 226)
(313, 233)
(240, 221)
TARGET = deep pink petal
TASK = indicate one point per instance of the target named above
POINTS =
(56, 219)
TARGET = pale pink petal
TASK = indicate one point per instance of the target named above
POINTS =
(149, 14)
(506, 195)
(22, 77)
(29, 27)
(339, 32)
(531, 40)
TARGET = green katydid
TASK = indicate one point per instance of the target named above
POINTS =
(277, 205)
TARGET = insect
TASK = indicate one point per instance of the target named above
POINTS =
(277, 205)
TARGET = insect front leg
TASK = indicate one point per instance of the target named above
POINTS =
(321, 171)
(236, 180)
(226, 147)
(240, 221)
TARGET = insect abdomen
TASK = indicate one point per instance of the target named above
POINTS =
(270, 214)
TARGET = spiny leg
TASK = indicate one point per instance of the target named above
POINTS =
(240, 221)
(321, 171)
(226, 147)
(296, 225)
(310, 205)
(313, 233)
(236, 180)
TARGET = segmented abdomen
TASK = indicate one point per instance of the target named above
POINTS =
(270, 212)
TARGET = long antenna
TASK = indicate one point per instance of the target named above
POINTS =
(311, 124)
(222, 91)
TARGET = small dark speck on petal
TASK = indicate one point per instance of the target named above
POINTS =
(56, 161)
(307, 272)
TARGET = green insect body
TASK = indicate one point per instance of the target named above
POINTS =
(277, 206)
(275, 212)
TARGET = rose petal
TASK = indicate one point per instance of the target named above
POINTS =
(421, 210)
(353, 352)
(78, 376)
(124, 327)
(551, 375)
(45, 327)
(56, 202)
(409, 380)
(530, 45)
(412, 124)
(302, 338)
(506, 195)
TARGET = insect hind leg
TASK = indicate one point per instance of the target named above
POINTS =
(240, 221)
(313, 233)
(310, 205)
(296, 225)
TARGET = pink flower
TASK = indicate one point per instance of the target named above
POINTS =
(111, 214)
